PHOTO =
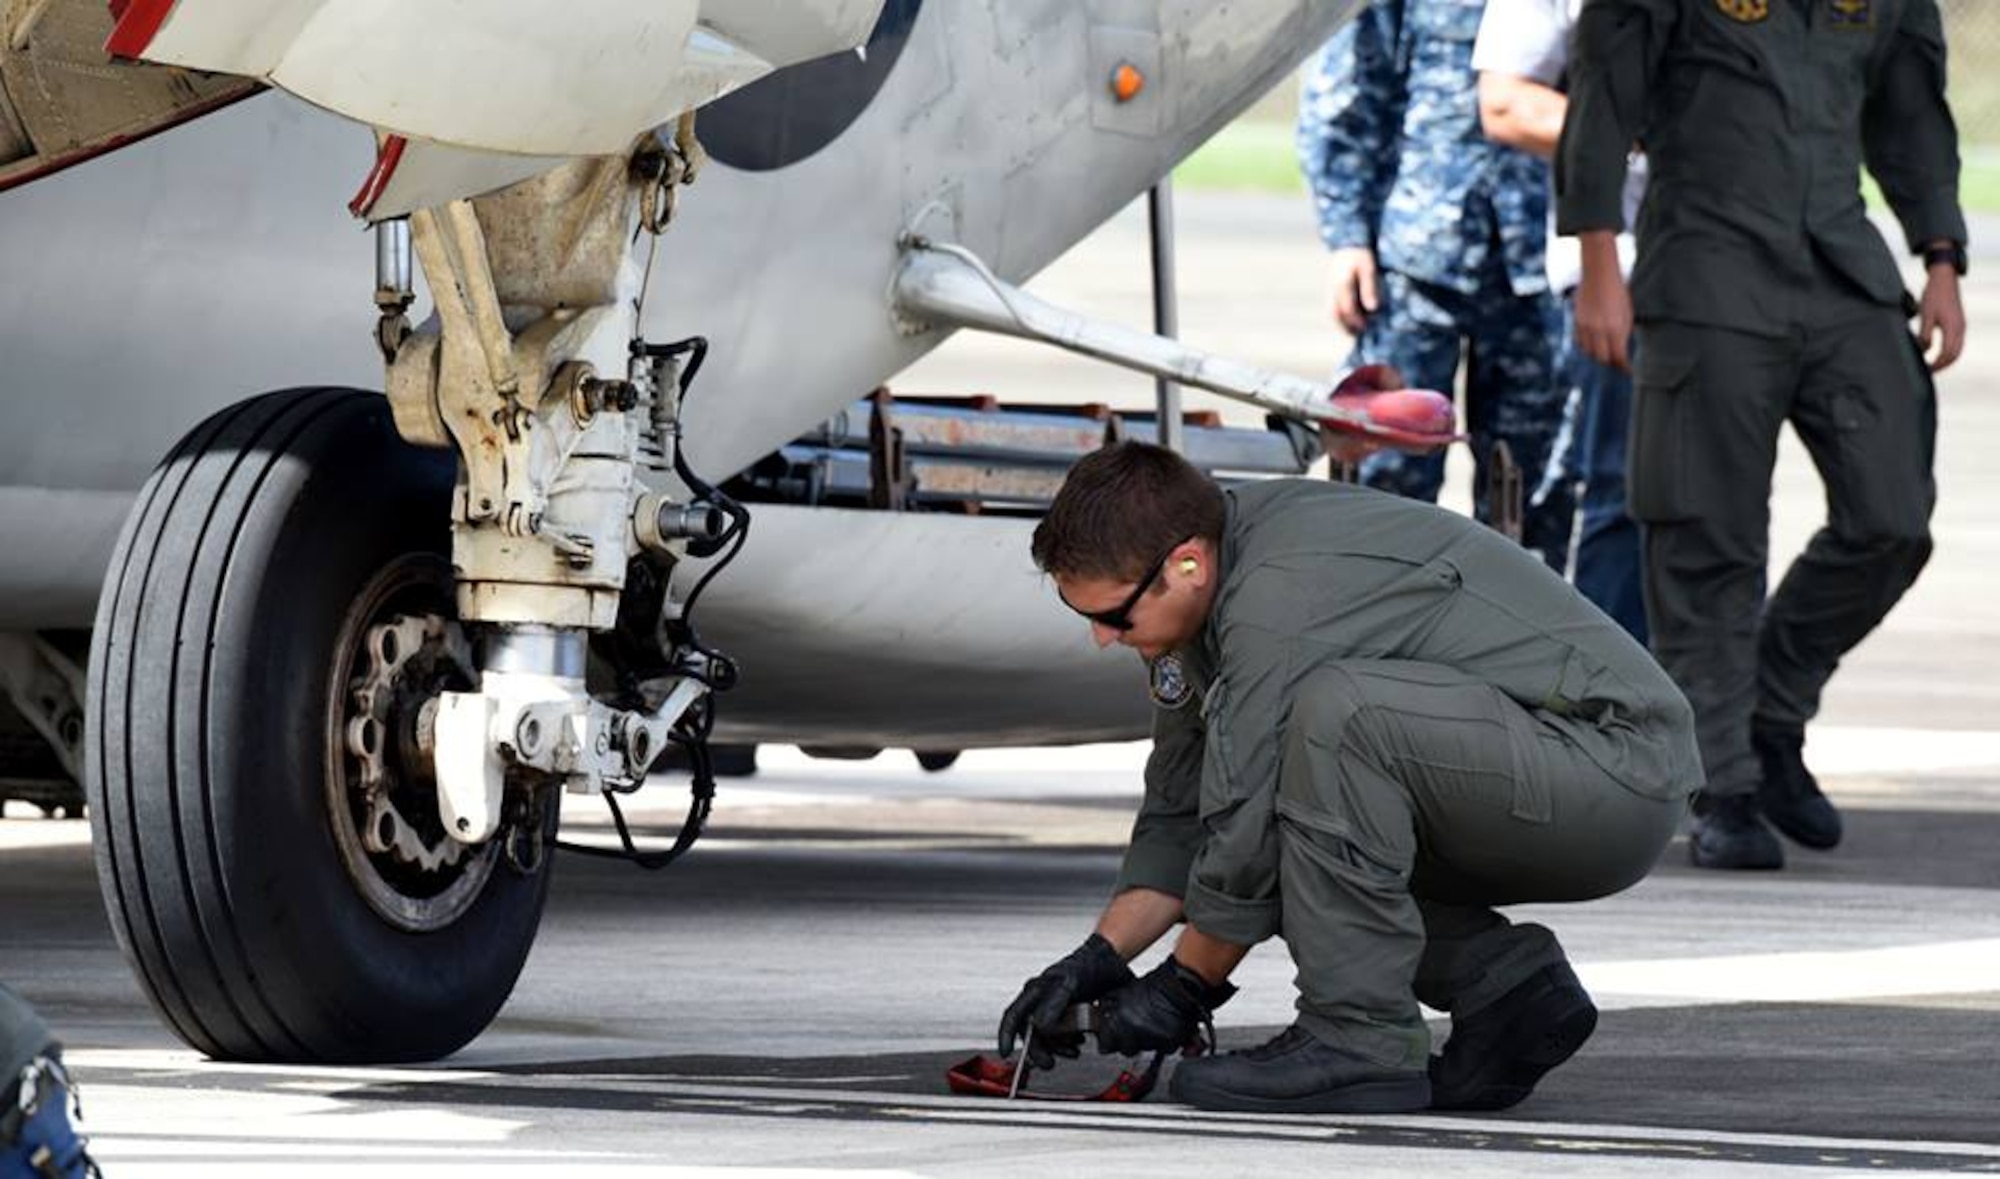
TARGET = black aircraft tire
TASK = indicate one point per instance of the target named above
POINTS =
(213, 665)
(936, 761)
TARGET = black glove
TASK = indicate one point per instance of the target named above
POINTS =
(1161, 1011)
(1091, 971)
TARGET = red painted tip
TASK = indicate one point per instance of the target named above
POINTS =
(139, 22)
(386, 158)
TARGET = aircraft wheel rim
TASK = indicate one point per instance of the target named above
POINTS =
(386, 822)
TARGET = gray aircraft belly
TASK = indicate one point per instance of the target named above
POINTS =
(996, 129)
(848, 634)
(148, 288)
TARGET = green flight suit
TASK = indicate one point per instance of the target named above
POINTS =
(1393, 720)
(1763, 295)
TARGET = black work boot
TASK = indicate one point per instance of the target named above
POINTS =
(1497, 1054)
(1789, 793)
(1728, 834)
(1296, 1073)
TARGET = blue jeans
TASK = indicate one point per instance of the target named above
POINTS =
(1591, 452)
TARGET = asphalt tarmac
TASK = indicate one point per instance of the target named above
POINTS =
(788, 999)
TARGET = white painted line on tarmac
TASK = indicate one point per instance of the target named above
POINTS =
(195, 1064)
(1836, 750)
(110, 1147)
(1184, 1119)
(269, 1121)
(1805, 976)
(157, 1159)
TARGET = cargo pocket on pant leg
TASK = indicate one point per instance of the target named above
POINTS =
(1532, 802)
(1659, 483)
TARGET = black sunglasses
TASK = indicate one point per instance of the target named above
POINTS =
(1119, 617)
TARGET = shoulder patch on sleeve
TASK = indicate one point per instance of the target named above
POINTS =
(1167, 682)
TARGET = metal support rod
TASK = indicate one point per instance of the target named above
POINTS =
(29, 15)
(1166, 316)
(393, 271)
(533, 649)
(942, 284)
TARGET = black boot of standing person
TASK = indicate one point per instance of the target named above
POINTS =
(1730, 834)
(1789, 794)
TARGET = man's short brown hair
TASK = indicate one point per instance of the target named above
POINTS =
(1123, 508)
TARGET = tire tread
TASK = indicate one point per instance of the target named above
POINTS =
(146, 898)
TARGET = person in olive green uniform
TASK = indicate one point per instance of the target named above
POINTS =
(1375, 721)
(1763, 295)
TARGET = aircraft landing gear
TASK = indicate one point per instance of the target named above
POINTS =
(270, 849)
(323, 814)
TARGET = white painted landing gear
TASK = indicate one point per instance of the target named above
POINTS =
(340, 681)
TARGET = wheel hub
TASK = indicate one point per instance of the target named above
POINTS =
(392, 703)
(399, 649)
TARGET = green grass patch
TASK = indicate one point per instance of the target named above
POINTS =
(1249, 155)
(1978, 185)
(1256, 155)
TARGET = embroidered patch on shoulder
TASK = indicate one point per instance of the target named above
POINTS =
(1747, 12)
(1168, 682)
(1853, 15)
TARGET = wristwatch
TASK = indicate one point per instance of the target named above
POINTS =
(1953, 253)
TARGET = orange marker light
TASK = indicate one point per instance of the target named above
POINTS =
(1126, 82)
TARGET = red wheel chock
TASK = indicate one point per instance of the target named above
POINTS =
(985, 1076)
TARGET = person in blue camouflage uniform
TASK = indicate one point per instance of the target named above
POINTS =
(36, 1138)
(1437, 236)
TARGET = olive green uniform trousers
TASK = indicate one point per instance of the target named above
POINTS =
(1412, 799)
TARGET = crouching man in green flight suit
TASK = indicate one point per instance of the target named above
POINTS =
(1375, 722)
